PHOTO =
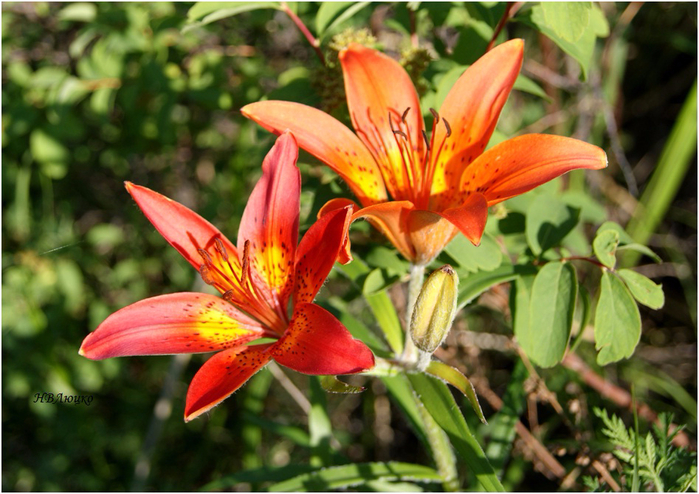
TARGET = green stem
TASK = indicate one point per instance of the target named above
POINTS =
(417, 276)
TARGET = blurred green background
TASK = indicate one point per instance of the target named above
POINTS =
(96, 94)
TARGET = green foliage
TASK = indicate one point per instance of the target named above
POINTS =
(98, 93)
(660, 465)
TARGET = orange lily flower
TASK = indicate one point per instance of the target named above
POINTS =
(438, 185)
(257, 281)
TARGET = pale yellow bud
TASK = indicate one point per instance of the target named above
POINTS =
(435, 309)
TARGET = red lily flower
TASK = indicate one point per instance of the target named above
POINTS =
(257, 280)
(439, 185)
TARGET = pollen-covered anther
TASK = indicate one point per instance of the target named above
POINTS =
(206, 275)
(221, 249)
(446, 124)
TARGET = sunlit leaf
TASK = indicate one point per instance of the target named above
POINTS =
(643, 289)
(617, 321)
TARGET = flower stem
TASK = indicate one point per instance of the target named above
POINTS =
(510, 9)
(417, 276)
(304, 30)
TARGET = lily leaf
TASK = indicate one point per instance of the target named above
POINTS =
(459, 381)
(332, 384)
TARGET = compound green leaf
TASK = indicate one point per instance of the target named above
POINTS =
(548, 221)
(604, 245)
(569, 20)
(643, 289)
(617, 321)
(551, 311)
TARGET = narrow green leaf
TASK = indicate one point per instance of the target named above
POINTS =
(347, 14)
(264, 474)
(486, 257)
(454, 377)
(203, 13)
(388, 259)
(617, 321)
(294, 434)
(357, 474)
(548, 221)
(327, 12)
(378, 280)
(502, 424)
(673, 165)
(400, 391)
(604, 245)
(569, 20)
(471, 286)
(438, 400)
(253, 403)
(551, 311)
(520, 304)
(332, 384)
(319, 426)
(380, 304)
(643, 289)
(525, 84)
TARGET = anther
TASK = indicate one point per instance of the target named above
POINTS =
(206, 257)
(228, 296)
(221, 249)
(246, 263)
(427, 141)
(206, 275)
(396, 131)
(446, 124)
(435, 115)
(405, 114)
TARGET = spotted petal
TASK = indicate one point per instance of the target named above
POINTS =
(377, 86)
(318, 251)
(472, 108)
(270, 222)
(221, 376)
(188, 232)
(328, 140)
(169, 324)
(317, 343)
(518, 165)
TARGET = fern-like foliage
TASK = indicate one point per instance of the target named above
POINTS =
(658, 464)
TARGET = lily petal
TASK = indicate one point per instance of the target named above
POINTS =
(391, 218)
(377, 86)
(472, 108)
(318, 251)
(221, 376)
(328, 140)
(188, 232)
(317, 343)
(345, 254)
(518, 165)
(169, 324)
(270, 221)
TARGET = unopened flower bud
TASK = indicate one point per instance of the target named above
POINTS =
(434, 310)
